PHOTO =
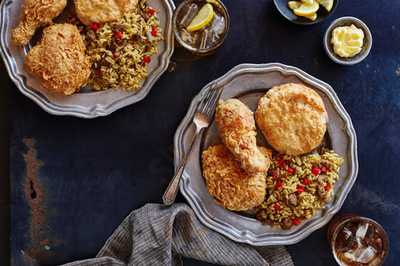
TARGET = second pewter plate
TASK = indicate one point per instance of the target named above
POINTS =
(85, 104)
(247, 81)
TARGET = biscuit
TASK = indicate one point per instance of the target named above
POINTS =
(293, 118)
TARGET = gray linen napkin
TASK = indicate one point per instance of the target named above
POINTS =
(159, 235)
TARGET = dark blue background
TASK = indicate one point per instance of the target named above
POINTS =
(96, 171)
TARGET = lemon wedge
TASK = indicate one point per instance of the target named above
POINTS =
(294, 4)
(308, 2)
(306, 10)
(202, 19)
(312, 17)
(328, 4)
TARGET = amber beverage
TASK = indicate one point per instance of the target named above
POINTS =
(357, 241)
(206, 40)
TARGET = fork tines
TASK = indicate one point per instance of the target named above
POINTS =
(209, 101)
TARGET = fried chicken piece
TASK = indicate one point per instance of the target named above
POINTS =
(236, 125)
(59, 60)
(35, 14)
(101, 11)
(228, 183)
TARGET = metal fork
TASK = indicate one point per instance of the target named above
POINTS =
(201, 120)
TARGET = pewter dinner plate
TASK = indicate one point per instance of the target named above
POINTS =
(248, 82)
(87, 103)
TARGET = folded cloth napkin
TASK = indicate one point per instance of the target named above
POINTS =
(160, 235)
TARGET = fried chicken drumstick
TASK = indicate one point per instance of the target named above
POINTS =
(236, 125)
(35, 14)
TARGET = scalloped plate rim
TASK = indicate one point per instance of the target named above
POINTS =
(247, 236)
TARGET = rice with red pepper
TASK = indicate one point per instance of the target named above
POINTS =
(298, 186)
(120, 51)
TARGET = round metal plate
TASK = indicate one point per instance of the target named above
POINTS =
(257, 79)
(85, 104)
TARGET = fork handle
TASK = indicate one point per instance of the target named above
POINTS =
(173, 186)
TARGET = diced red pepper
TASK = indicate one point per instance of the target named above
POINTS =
(150, 11)
(118, 35)
(279, 185)
(154, 31)
(306, 181)
(300, 189)
(146, 59)
(277, 206)
(327, 187)
(95, 26)
(296, 221)
(115, 55)
(98, 72)
(291, 170)
(316, 170)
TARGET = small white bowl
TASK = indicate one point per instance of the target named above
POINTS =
(347, 21)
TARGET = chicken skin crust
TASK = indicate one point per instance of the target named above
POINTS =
(101, 11)
(59, 61)
(236, 125)
(292, 118)
(35, 14)
(228, 183)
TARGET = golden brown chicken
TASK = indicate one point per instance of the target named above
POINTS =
(236, 125)
(100, 11)
(35, 14)
(59, 60)
(228, 183)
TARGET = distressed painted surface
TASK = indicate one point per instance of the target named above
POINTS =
(35, 198)
(94, 172)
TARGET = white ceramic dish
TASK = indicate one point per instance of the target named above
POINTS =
(246, 82)
(85, 104)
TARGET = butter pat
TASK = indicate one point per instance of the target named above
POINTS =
(347, 41)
